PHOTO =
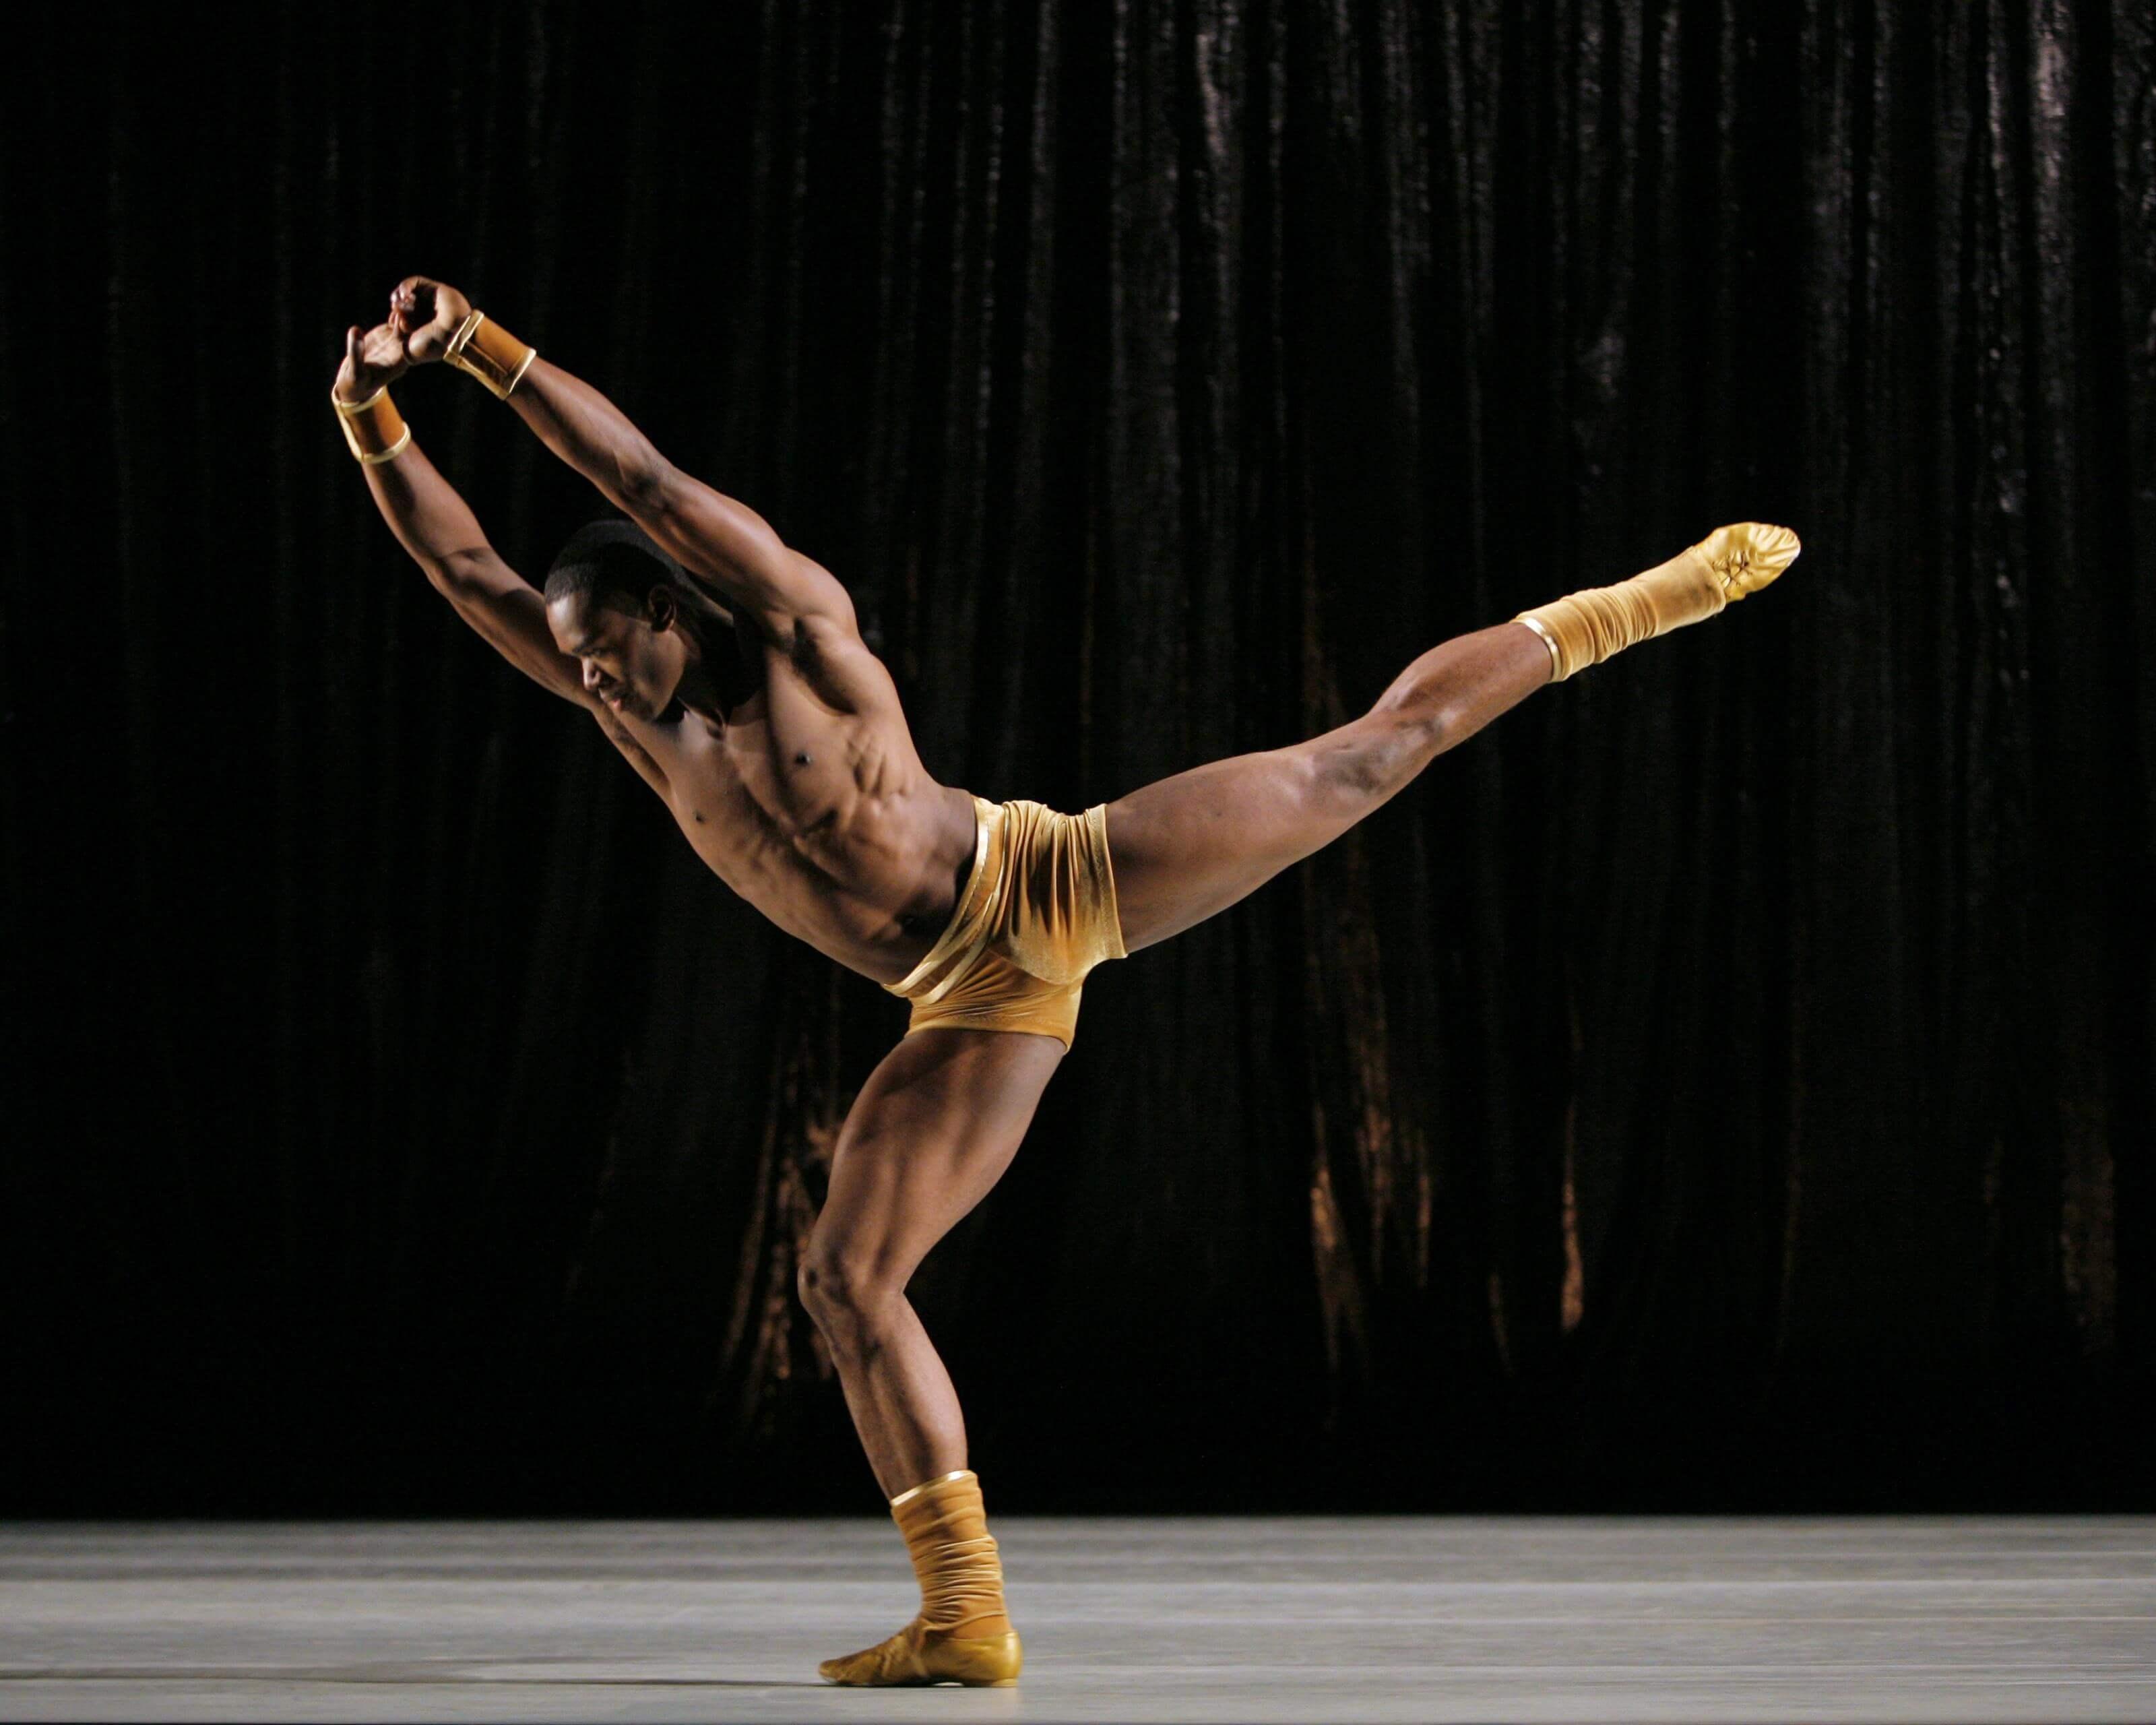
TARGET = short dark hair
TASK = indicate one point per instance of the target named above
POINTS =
(612, 562)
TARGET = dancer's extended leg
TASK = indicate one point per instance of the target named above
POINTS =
(931, 1132)
(1188, 847)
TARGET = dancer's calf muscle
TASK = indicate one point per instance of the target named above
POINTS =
(1459, 686)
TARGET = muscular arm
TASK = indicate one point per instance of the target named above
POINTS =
(437, 528)
(723, 543)
(719, 540)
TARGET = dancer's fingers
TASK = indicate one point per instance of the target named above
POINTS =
(415, 297)
(348, 377)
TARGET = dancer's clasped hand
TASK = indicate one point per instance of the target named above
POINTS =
(372, 358)
(426, 313)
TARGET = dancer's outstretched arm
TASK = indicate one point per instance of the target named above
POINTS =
(719, 540)
(437, 526)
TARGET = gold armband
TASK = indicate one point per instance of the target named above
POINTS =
(490, 353)
(373, 429)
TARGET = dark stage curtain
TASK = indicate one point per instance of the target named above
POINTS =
(1725, 1082)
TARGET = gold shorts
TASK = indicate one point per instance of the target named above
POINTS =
(1038, 912)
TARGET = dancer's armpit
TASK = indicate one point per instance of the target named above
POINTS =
(633, 752)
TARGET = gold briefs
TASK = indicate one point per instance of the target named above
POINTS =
(1038, 912)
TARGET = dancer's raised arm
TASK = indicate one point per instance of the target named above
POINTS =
(721, 541)
(437, 526)
(444, 538)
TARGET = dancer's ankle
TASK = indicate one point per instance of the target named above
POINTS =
(960, 1572)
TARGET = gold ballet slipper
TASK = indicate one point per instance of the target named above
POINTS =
(1585, 627)
(917, 1655)
(962, 1634)
(1745, 557)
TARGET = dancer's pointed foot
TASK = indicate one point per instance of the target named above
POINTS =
(1745, 555)
(1585, 627)
(917, 1654)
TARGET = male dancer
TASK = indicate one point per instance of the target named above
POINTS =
(726, 667)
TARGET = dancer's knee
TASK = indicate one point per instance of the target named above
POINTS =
(849, 1301)
(1419, 714)
(1365, 763)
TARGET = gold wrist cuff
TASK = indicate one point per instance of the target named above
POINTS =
(373, 430)
(490, 353)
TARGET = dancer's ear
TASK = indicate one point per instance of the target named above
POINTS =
(664, 609)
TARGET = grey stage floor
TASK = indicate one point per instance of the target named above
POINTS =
(1133, 1621)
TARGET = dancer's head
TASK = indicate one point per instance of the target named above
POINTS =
(615, 602)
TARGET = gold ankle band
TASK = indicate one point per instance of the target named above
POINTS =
(1549, 640)
(942, 1479)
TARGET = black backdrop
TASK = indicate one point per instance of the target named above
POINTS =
(1724, 1083)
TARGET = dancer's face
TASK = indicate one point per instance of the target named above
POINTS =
(633, 664)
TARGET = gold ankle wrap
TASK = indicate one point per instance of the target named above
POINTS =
(946, 1535)
(1586, 627)
(490, 353)
(962, 1634)
(374, 431)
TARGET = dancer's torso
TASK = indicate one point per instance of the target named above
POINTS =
(809, 801)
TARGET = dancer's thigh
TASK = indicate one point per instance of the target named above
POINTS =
(1186, 848)
(931, 1131)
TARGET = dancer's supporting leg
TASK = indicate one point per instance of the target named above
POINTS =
(932, 1130)
(1188, 847)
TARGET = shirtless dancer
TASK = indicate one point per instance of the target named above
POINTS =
(727, 668)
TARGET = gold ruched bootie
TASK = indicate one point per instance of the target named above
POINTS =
(962, 1634)
(1585, 627)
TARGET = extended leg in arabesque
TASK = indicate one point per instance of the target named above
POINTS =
(1186, 848)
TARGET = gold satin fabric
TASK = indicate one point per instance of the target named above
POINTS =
(1586, 627)
(960, 1572)
(1038, 912)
